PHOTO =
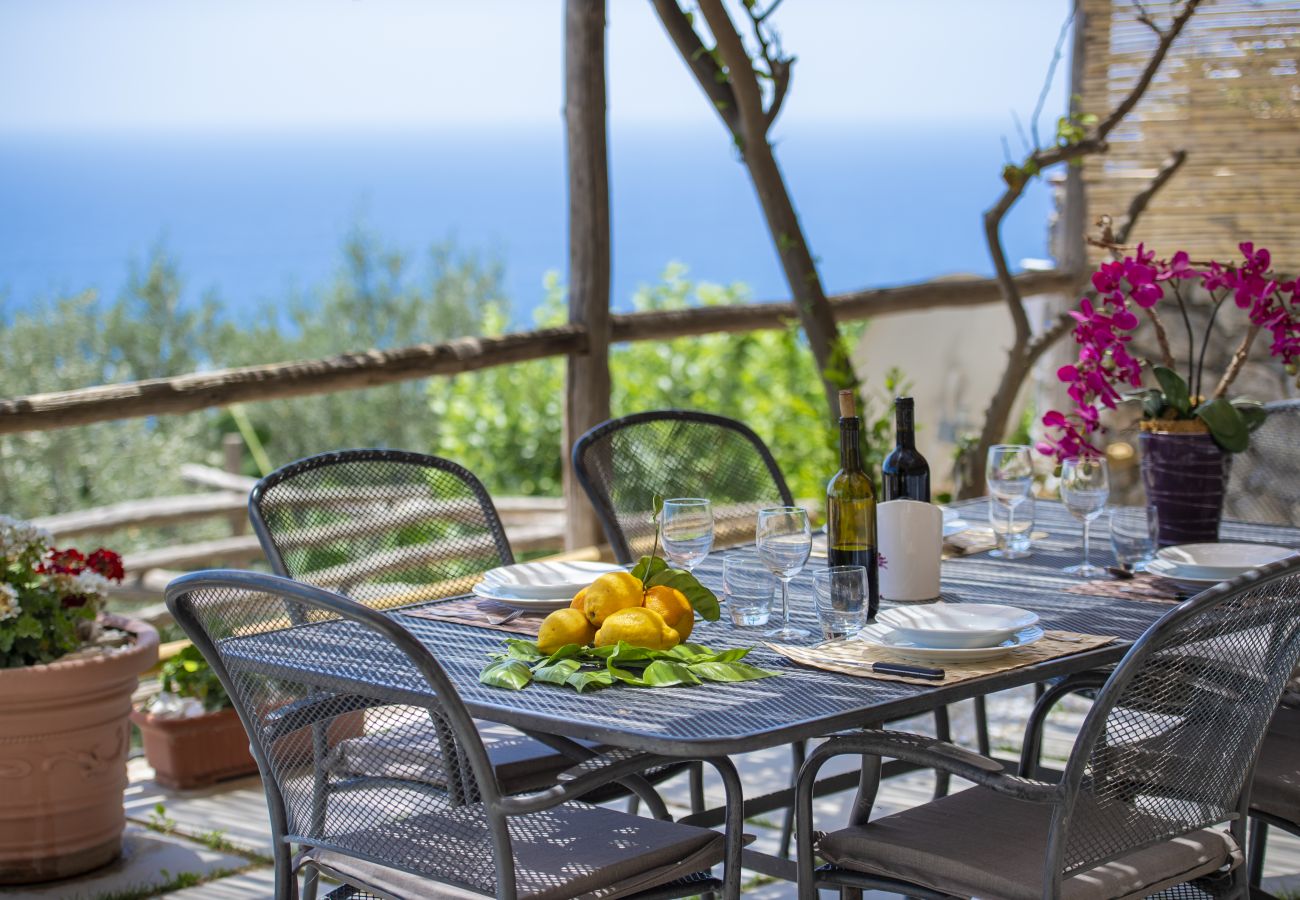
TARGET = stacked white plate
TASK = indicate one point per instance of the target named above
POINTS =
(952, 632)
(1200, 566)
(540, 585)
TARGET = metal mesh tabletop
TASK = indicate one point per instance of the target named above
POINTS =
(732, 718)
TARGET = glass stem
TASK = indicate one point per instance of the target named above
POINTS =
(1011, 524)
(1087, 524)
(785, 602)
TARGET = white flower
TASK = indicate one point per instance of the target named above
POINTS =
(18, 537)
(89, 584)
(9, 607)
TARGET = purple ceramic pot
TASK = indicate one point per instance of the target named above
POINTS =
(1185, 475)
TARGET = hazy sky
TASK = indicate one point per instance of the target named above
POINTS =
(89, 65)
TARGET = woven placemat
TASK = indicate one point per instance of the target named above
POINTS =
(853, 657)
(1140, 587)
(467, 611)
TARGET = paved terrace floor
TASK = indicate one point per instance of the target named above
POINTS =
(214, 844)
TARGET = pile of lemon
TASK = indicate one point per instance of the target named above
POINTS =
(618, 607)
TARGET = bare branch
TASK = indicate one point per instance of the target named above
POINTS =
(1039, 345)
(771, 9)
(711, 79)
(1140, 200)
(745, 91)
(1167, 37)
(1238, 360)
(1051, 72)
(780, 86)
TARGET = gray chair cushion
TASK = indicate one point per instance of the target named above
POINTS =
(1276, 790)
(572, 851)
(981, 843)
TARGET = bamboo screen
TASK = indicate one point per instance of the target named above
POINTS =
(1229, 94)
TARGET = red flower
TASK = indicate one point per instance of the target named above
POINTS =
(106, 563)
(62, 562)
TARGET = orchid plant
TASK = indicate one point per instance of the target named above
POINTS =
(1107, 373)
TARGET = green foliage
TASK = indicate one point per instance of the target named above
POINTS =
(43, 614)
(653, 571)
(187, 674)
(1229, 422)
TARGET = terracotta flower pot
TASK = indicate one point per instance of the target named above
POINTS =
(195, 752)
(1185, 474)
(64, 736)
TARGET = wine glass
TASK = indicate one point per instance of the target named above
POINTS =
(686, 529)
(784, 543)
(1009, 474)
(1085, 487)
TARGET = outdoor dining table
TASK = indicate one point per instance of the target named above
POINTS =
(801, 703)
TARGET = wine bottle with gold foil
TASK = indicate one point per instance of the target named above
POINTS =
(851, 505)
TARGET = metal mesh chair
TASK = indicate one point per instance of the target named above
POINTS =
(1275, 792)
(1264, 480)
(402, 838)
(1165, 753)
(623, 463)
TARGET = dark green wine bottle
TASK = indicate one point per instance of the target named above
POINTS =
(851, 506)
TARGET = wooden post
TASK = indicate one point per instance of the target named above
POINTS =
(587, 386)
(232, 460)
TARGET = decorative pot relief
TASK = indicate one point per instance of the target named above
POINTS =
(93, 762)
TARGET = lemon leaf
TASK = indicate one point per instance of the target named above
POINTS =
(557, 672)
(666, 673)
(647, 568)
(582, 681)
(702, 600)
(511, 674)
(525, 650)
(728, 671)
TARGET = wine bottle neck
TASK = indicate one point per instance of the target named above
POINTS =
(905, 424)
(850, 449)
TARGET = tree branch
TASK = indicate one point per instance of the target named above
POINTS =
(711, 79)
(1167, 37)
(1238, 360)
(1140, 200)
(739, 71)
(1051, 71)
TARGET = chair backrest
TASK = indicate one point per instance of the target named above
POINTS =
(1264, 479)
(241, 622)
(384, 527)
(1173, 736)
(623, 463)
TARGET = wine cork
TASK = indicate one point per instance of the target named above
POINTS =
(847, 410)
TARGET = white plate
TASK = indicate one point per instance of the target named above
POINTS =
(878, 635)
(1168, 570)
(957, 625)
(545, 580)
(535, 603)
(1220, 561)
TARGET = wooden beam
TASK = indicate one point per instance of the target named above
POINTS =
(207, 476)
(349, 371)
(139, 513)
(587, 383)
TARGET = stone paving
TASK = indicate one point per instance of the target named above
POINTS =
(214, 844)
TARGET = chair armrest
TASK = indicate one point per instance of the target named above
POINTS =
(615, 765)
(310, 710)
(936, 754)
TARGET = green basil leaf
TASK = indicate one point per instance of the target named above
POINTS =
(583, 681)
(647, 567)
(1175, 390)
(729, 671)
(1252, 412)
(702, 600)
(511, 674)
(557, 672)
(525, 650)
(666, 673)
(1226, 425)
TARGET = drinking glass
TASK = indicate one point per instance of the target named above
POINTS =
(1085, 486)
(747, 588)
(1011, 531)
(784, 542)
(1133, 531)
(686, 527)
(1009, 473)
(841, 593)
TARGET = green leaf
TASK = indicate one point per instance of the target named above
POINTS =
(583, 681)
(647, 567)
(657, 505)
(702, 600)
(1153, 402)
(557, 672)
(511, 674)
(666, 673)
(728, 671)
(1175, 390)
(1226, 424)
(525, 650)
(1252, 412)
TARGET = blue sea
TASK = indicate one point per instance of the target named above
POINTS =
(251, 218)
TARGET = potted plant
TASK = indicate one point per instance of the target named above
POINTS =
(67, 673)
(192, 734)
(1189, 428)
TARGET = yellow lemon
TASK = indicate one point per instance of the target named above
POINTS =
(608, 594)
(564, 626)
(673, 606)
(579, 601)
(640, 627)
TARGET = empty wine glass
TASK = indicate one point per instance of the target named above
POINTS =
(784, 543)
(1009, 473)
(1085, 487)
(686, 529)
(1133, 533)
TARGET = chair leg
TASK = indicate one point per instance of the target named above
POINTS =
(697, 787)
(1255, 854)
(798, 753)
(943, 731)
(982, 726)
(633, 805)
(310, 883)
